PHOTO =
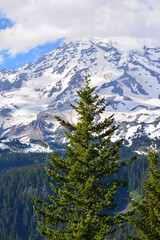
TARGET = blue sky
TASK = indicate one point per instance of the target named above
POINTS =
(11, 62)
(19, 59)
(30, 28)
(5, 22)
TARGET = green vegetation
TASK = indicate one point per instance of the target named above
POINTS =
(84, 183)
(146, 217)
(30, 171)
(10, 160)
(136, 196)
(18, 220)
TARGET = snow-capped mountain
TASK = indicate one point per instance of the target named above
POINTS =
(30, 96)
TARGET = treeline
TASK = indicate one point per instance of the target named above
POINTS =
(10, 160)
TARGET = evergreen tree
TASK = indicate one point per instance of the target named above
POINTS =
(146, 217)
(84, 185)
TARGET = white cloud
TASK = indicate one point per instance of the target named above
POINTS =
(41, 21)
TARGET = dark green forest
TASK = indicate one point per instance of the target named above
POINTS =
(22, 176)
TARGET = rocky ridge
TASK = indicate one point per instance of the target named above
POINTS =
(30, 96)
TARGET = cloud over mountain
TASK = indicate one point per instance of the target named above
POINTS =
(37, 22)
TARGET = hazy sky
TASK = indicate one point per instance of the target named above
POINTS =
(29, 25)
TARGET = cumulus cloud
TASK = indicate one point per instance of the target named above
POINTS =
(130, 22)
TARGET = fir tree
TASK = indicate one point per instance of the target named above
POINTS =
(146, 217)
(82, 204)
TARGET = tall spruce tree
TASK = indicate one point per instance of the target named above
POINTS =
(84, 185)
(146, 218)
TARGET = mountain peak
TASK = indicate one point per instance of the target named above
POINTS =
(34, 93)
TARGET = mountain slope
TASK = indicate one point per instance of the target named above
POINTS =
(30, 96)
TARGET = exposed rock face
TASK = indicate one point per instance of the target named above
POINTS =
(30, 96)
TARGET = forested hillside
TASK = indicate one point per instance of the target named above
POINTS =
(22, 176)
